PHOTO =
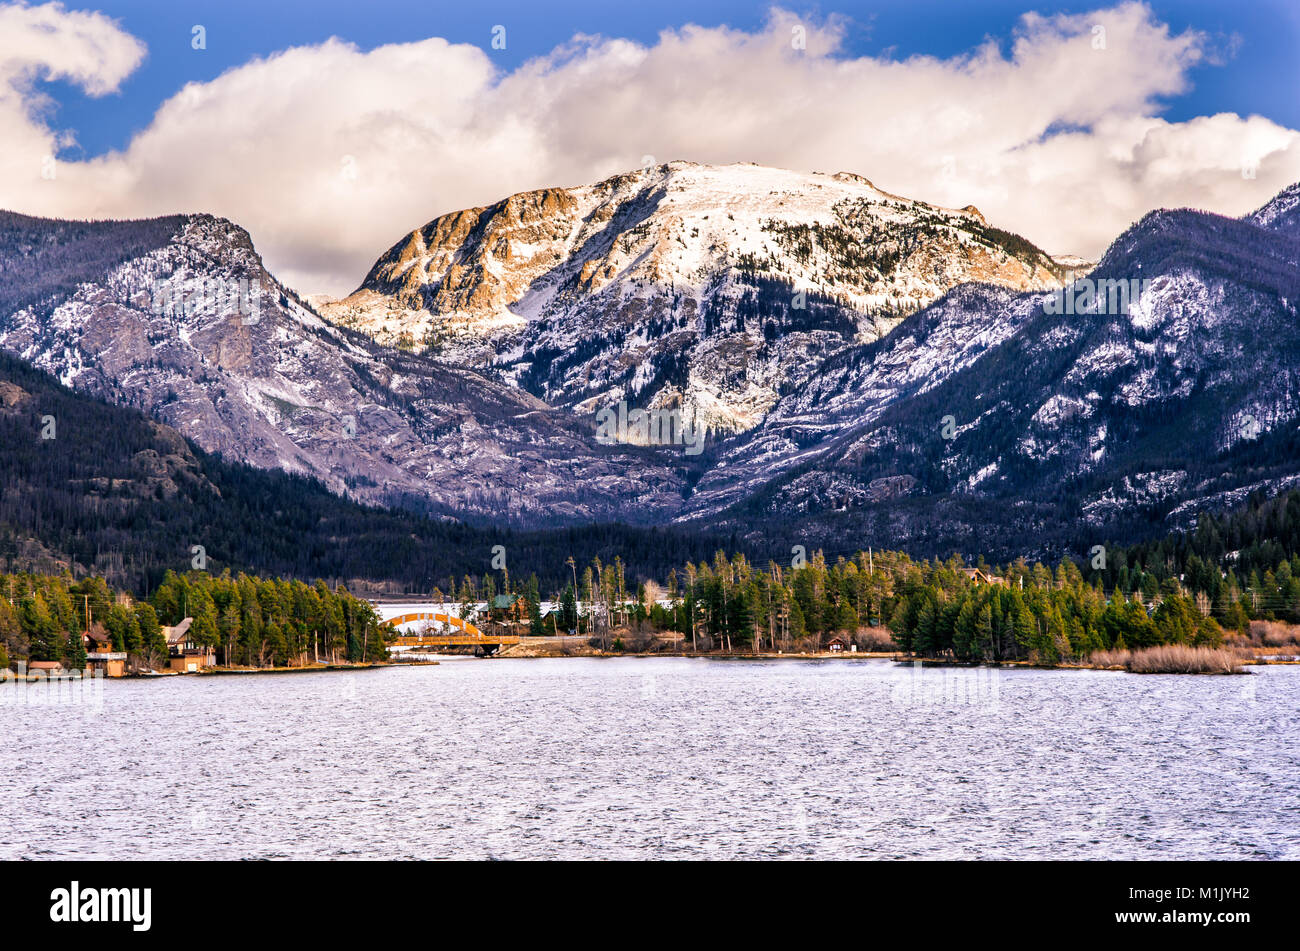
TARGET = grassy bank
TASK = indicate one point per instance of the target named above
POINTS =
(1172, 659)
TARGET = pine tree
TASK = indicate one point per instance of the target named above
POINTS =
(74, 651)
(568, 609)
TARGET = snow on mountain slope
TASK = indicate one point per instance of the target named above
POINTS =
(710, 288)
(824, 418)
(197, 333)
(1281, 213)
(988, 420)
(993, 420)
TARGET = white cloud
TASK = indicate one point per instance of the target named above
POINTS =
(328, 154)
(47, 43)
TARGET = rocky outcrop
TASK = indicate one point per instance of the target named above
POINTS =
(713, 289)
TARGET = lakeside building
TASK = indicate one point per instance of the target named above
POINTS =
(508, 610)
(184, 654)
(100, 656)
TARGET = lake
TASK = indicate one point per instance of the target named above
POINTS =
(661, 758)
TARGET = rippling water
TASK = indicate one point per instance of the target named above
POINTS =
(660, 758)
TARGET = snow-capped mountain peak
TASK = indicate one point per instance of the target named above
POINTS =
(701, 286)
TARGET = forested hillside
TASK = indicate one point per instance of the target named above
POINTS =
(42, 258)
(114, 493)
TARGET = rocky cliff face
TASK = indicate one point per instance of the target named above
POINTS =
(195, 331)
(712, 289)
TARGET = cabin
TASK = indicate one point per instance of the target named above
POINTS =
(44, 668)
(508, 608)
(551, 618)
(184, 654)
(110, 663)
(100, 656)
(839, 642)
(979, 576)
(508, 613)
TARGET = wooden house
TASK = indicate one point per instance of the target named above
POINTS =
(979, 576)
(100, 655)
(184, 654)
(508, 612)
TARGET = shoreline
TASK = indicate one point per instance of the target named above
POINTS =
(533, 653)
(309, 669)
(1259, 660)
(73, 676)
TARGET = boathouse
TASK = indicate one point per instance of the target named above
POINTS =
(100, 655)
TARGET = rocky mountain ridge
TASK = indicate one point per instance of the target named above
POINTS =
(991, 419)
(713, 289)
(197, 333)
(993, 414)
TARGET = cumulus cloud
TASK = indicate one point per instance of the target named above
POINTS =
(328, 154)
(42, 44)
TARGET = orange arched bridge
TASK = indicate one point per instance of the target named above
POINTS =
(465, 635)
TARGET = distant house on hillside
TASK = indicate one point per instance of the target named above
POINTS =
(981, 577)
(184, 654)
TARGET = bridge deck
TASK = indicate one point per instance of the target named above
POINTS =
(454, 640)
(464, 635)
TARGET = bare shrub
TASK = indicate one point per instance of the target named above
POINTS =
(1275, 633)
(1112, 658)
(638, 642)
(1174, 659)
(1235, 638)
(874, 639)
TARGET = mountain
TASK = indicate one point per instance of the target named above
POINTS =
(90, 487)
(990, 420)
(1003, 423)
(1281, 214)
(178, 317)
(710, 288)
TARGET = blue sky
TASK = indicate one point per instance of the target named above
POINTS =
(330, 152)
(1262, 77)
